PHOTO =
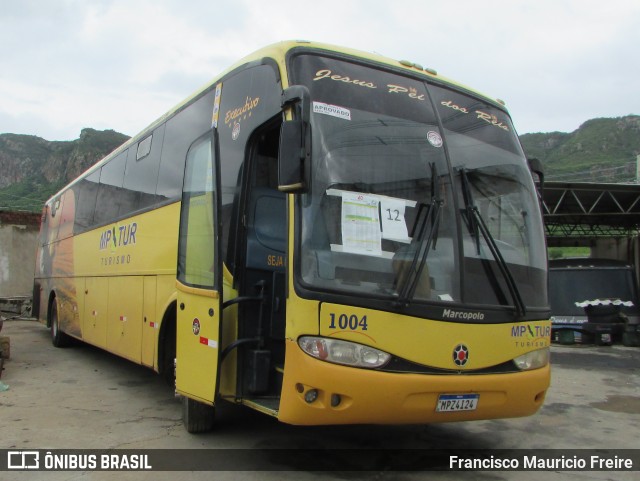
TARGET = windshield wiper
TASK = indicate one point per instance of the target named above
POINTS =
(427, 222)
(477, 225)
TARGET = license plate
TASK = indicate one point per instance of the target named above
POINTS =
(457, 402)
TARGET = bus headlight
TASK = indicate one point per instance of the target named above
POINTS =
(533, 359)
(343, 352)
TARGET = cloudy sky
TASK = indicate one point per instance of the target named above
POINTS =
(119, 64)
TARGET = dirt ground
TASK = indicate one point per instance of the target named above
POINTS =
(82, 397)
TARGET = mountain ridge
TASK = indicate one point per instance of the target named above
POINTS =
(600, 150)
(32, 168)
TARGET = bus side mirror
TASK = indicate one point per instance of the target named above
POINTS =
(292, 156)
(295, 141)
(535, 166)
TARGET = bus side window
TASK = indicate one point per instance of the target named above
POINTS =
(86, 192)
(141, 174)
(108, 201)
(66, 214)
(53, 220)
(180, 132)
(129, 194)
(196, 262)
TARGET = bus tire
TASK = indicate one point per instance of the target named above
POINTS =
(58, 338)
(196, 416)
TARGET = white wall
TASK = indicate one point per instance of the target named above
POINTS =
(18, 238)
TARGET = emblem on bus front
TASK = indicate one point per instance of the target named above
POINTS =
(460, 355)
(434, 138)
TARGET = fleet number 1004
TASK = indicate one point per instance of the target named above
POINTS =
(344, 322)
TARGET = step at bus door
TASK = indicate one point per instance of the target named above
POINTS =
(199, 276)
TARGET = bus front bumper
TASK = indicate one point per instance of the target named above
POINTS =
(316, 392)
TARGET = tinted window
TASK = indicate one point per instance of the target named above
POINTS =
(249, 98)
(476, 120)
(141, 175)
(128, 195)
(65, 214)
(196, 263)
(87, 192)
(144, 147)
(109, 198)
(180, 132)
(351, 86)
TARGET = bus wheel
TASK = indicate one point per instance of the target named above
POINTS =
(58, 338)
(196, 416)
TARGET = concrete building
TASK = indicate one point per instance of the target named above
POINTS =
(18, 238)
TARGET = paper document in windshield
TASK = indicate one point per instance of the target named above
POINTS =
(361, 224)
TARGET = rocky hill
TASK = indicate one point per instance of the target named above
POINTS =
(32, 169)
(600, 150)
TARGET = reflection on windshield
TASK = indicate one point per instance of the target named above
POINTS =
(423, 236)
(370, 181)
(477, 226)
(385, 214)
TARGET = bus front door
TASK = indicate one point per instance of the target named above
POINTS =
(199, 288)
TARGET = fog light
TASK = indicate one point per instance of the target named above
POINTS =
(311, 395)
(335, 400)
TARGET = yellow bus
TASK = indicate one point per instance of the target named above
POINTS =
(324, 235)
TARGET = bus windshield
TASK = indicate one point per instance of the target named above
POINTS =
(418, 193)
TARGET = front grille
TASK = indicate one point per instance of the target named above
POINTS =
(403, 366)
